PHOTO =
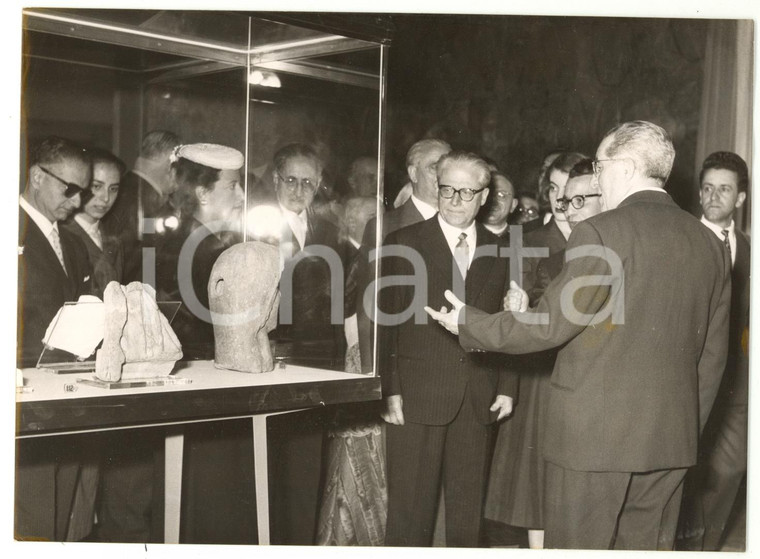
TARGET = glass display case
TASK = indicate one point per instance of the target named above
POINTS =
(108, 78)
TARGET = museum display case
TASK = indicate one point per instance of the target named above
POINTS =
(105, 78)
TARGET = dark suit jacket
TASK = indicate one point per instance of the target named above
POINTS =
(107, 264)
(43, 287)
(194, 330)
(123, 221)
(735, 386)
(406, 214)
(315, 339)
(632, 395)
(423, 362)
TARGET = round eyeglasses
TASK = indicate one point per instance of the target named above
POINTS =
(465, 194)
(577, 201)
(291, 183)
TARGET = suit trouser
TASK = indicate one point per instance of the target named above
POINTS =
(612, 510)
(418, 457)
(46, 476)
(712, 487)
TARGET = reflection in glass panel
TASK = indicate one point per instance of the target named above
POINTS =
(313, 146)
(140, 82)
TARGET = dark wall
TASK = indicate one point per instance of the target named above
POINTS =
(515, 87)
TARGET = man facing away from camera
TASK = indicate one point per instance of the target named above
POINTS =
(641, 309)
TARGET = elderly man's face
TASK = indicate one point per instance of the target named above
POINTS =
(586, 193)
(48, 192)
(296, 183)
(424, 180)
(363, 177)
(719, 195)
(502, 201)
(608, 176)
(454, 210)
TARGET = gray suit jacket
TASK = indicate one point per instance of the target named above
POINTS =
(629, 394)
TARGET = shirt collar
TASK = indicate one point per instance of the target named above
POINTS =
(290, 214)
(40, 220)
(90, 228)
(424, 208)
(452, 233)
(717, 229)
(496, 230)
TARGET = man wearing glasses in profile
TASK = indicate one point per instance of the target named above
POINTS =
(440, 399)
(53, 268)
(642, 354)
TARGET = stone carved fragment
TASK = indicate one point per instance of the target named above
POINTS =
(243, 299)
(138, 341)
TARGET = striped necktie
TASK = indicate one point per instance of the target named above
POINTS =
(725, 239)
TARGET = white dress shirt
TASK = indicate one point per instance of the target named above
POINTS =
(452, 233)
(424, 208)
(297, 223)
(718, 230)
(92, 229)
(40, 220)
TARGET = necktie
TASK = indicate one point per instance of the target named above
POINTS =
(55, 242)
(462, 254)
(725, 239)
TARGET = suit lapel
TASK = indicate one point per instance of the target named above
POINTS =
(31, 239)
(437, 252)
(480, 269)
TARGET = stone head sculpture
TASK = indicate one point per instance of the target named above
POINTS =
(243, 300)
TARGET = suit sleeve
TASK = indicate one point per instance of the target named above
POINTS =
(712, 360)
(553, 321)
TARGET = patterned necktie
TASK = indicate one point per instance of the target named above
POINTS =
(725, 240)
(55, 242)
(462, 254)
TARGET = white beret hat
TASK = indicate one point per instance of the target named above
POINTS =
(210, 155)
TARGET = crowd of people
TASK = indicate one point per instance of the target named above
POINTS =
(571, 361)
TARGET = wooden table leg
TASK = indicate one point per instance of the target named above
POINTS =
(174, 447)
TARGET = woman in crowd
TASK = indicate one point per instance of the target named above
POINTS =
(515, 493)
(211, 200)
(217, 471)
(105, 251)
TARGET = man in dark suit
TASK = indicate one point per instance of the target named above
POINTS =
(712, 487)
(144, 194)
(440, 400)
(642, 355)
(53, 268)
(422, 204)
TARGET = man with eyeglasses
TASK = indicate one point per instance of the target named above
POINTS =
(53, 268)
(641, 311)
(582, 198)
(440, 400)
(712, 487)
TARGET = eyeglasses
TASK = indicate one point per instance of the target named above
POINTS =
(501, 195)
(577, 201)
(598, 168)
(465, 194)
(291, 183)
(72, 188)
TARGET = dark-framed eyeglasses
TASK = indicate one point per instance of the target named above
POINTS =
(72, 188)
(577, 201)
(465, 194)
(291, 183)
